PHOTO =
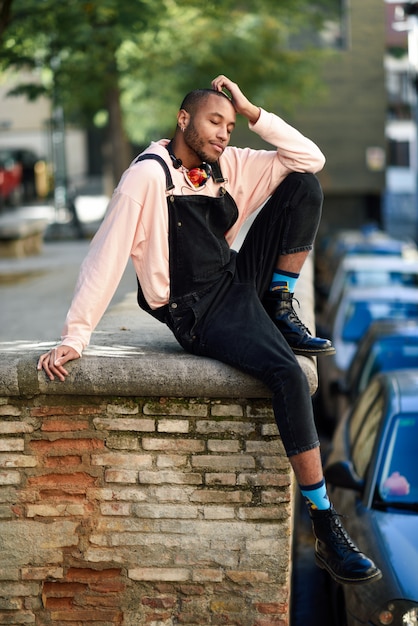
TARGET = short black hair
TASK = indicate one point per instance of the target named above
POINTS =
(199, 96)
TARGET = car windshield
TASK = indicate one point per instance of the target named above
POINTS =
(390, 353)
(381, 278)
(398, 481)
(361, 314)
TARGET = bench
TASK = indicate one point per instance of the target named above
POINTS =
(21, 237)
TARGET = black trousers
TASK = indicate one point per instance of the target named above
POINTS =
(236, 329)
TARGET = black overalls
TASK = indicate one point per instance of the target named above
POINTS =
(215, 307)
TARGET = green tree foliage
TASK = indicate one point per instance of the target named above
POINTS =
(131, 61)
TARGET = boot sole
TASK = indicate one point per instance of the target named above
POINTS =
(377, 575)
(306, 352)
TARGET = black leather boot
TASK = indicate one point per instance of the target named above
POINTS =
(336, 553)
(279, 305)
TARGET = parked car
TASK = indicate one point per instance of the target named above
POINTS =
(373, 270)
(28, 159)
(358, 308)
(372, 477)
(17, 175)
(364, 242)
(10, 178)
(387, 345)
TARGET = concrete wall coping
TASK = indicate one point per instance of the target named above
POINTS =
(131, 354)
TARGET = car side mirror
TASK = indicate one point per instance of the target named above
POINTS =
(342, 474)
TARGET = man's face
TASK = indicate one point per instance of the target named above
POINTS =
(209, 129)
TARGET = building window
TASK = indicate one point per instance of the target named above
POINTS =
(398, 153)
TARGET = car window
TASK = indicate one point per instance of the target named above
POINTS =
(398, 480)
(361, 410)
(381, 278)
(359, 315)
(389, 354)
(366, 435)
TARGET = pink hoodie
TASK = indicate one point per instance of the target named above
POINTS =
(136, 221)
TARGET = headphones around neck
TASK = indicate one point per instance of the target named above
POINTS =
(177, 163)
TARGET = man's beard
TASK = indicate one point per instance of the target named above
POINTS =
(193, 141)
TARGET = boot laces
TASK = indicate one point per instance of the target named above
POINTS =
(341, 536)
(293, 316)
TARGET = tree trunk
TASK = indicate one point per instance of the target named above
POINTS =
(117, 152)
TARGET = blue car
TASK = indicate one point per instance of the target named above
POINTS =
(372, 477)
(387, 345)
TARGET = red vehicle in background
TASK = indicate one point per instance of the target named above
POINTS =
(11, 178)
(17, 175)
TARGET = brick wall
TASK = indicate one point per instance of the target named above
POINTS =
(143, 511)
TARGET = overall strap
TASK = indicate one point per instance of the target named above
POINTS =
(168, 180)
(217, 174)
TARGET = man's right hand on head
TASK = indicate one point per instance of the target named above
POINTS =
(54, 360)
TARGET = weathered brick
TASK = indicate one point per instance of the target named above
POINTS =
(15, 428)
(243, 577)
(263, 512)
(75, 480)
(223, 445)
(17, 460)
(9, 478)
(171, 574)
(263, 447)
(42, 572)
(121, 476)
(220, 478)
(272, 608)
(171, 511)
(12, 445)
(172, 426)
(173, 445)
(126, 461)
(118, 494)
(57, 510)
(208, 575)
(272, 621)
(225, 426)
(17, 617)
(65, 409)
(8, 410)
(226, 410)
(261, 479)
(214, 495)
(125, 424)
(115, 508)
(218, 512)
(126, 408)
(175, 478)
(122, 442)
(164, 461)
(161, 602)
(66, 446)
(66, 461)
(167, 406)
(275, 496)
(64, 425)
(226, 462)
(84, 616)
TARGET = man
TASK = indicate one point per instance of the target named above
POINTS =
(175, 212)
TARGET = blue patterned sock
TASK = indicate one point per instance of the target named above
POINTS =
(283, 281)
(316, 496)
